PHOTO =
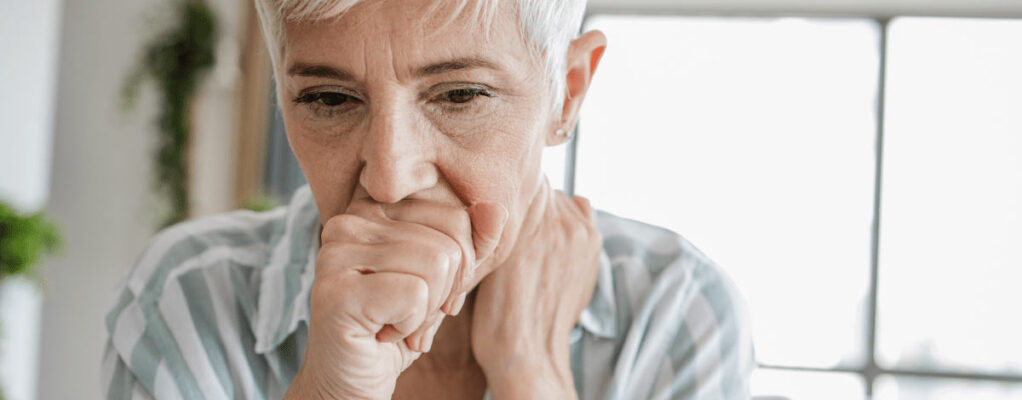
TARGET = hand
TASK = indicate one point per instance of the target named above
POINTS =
(525, 309)
(385, 277)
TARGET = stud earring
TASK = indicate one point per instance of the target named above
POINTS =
(560, 132)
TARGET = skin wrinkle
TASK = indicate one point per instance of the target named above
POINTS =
(403, 139)
(516, 107)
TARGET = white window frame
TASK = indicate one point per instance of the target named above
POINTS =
(882, 13)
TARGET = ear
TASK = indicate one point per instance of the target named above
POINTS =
(584, 55)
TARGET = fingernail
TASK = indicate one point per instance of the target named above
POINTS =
(449, 306)
(429, 345)
(423, 344)
(459, 303)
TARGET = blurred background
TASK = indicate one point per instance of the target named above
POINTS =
(854, 165)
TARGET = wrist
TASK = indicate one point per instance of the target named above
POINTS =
(540, 382)
(523, 372)
(306, 386)
(302, 388)
(510, 353)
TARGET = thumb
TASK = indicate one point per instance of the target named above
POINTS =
(488, 220)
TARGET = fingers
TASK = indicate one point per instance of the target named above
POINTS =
(438, 245)
(451, 221)
(585, 207)
(458, 304)
(422, 339)
(391, 305)
(488, 220)
(433, 263)
(477, 231)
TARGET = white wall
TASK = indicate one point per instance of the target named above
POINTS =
(29, 32)
(101, 185)
(214, 138)
(28, 44)
(99, 191)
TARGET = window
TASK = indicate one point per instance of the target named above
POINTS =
(859, 178)
(951, 231)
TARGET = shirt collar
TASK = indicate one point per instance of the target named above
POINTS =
(286, 281)
(600, 316)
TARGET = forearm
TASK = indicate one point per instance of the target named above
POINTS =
(544, 379)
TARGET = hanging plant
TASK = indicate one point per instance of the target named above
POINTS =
(176, 61)
(24, 239)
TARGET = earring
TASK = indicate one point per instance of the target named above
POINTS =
(564, 134)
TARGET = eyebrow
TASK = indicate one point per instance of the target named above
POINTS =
(320, 71)
(455, 65)
(325, 71)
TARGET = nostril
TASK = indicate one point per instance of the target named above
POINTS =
(393, 181)
(385, 195)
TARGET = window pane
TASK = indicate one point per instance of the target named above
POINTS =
(754, 139)
(799, 385)
(914, 388)
(553, 165)
(951, 227)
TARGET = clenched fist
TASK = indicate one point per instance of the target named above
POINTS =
(385, 277)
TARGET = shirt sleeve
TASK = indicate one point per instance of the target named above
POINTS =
(688, 339)
(177, 331)
(118, 381)
(711, 355)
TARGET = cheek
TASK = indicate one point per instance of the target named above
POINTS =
(328, 162)
(496, 163)
(505, 169)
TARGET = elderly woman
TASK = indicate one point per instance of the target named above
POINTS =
(428, 257)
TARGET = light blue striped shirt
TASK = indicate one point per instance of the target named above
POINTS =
(218, 308)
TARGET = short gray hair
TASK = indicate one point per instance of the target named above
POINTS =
(548, 27)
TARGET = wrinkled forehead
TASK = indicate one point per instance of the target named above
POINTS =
(403, 31)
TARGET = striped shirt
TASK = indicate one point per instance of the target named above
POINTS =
(218, 308)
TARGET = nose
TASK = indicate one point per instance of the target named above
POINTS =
(397, 157)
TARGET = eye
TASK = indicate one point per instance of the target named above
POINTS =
(465, 95)
(330, 99)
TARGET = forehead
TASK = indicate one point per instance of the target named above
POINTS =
(402, 35)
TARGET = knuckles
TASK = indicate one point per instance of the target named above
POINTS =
(327, 289)
(343, 226)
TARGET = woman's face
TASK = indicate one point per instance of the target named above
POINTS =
(379, 105)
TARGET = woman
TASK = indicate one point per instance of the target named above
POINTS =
(428, 257)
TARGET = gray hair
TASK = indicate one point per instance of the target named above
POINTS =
(548, 27)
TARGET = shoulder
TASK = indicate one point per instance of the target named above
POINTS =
(240, 237)
(636, 247)
(195, 251)
(189, 297)
(650, 265)
(680, 317)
